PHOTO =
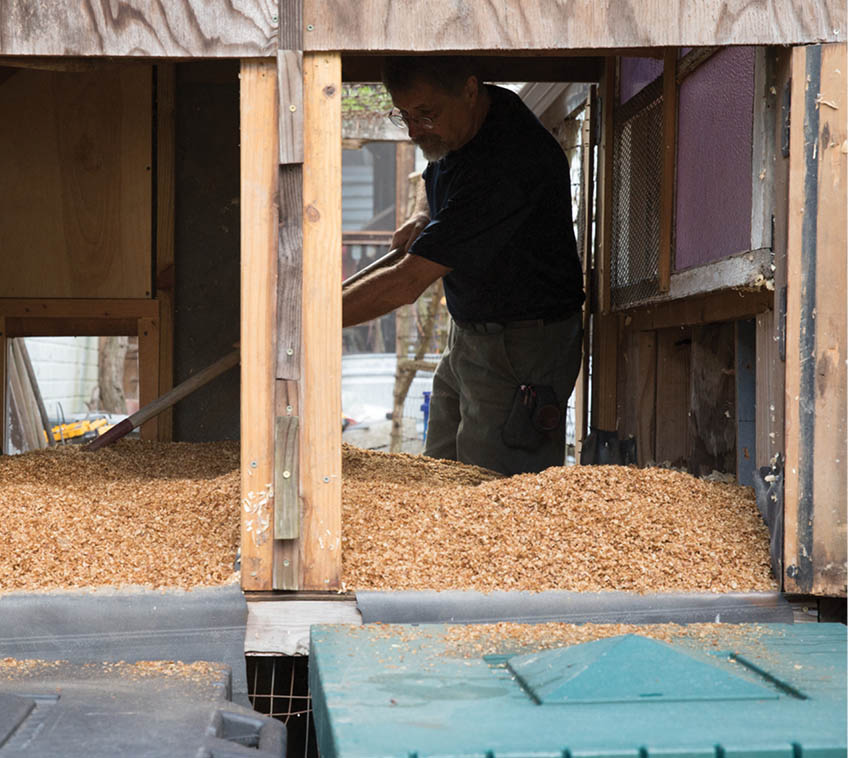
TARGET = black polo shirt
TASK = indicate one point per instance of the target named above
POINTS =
(500, 210)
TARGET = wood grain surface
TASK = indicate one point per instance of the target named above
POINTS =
(76, 183)
(815, 422)
(135, 28)
(320, 386)
(454, 25)
(259, 177)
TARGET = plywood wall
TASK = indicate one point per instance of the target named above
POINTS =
(75, 185)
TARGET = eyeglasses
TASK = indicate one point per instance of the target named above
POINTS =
(400, 119)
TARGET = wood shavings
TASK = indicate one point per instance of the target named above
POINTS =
(409, 526)
(198, 672)
(140, 513)
(475, 640)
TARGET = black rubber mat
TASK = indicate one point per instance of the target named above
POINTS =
(133, 624)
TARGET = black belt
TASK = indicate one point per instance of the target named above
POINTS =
(495, 327)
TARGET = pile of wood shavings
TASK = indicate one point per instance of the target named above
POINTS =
(402, 468)
(581, 528)
(135, 513)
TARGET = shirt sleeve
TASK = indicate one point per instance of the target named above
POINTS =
(475, 223)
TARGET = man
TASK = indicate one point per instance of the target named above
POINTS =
(499, 232)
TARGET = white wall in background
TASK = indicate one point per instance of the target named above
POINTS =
(66, 369)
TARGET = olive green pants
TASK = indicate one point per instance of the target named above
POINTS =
(474, 389)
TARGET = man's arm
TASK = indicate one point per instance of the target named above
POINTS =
(388, 288)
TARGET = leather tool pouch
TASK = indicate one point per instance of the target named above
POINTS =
(534, 414)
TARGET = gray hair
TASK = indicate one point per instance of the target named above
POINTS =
(447, 72)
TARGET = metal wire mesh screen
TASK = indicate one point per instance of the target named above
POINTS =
(278, 686)
(637, 174)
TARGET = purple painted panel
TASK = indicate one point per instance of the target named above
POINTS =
(635, 73)
(715, 115)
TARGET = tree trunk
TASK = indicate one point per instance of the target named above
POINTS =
(110, 373)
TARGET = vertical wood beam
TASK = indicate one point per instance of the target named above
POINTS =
(165, 274)
(148, 372)
(763, 159)
(581, 397)
(287, 552)
(289, 315)
(605, 185)
(817, 277)
(669, 167)
(259, 178)
(320, 388)
(4, 384)
(605, 325)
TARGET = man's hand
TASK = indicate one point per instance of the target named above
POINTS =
(408, 233)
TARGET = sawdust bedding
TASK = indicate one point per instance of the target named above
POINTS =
(136, 513)
(167, 515)
(583, 528)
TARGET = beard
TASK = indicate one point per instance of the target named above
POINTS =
(433, 147)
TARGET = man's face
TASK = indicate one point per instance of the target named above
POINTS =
(452, 116)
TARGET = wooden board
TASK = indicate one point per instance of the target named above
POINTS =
(769, 402)
(136, 28)
(281, 627)
(815, 481)
(286, 498)
(165, 272)
(259, 177)
(320, 386)
(605, 372)
(603, 258)
(76, 184)
(290, 273)
(290, 76)
(712, 399)
(728, 305)
(830, 459)
(763, 149)
(673, 372)
(148, 372)
(669, 170)
(587, 207)
(430, 25)
(637, 391)
(576, 66)
(646, 394)
(4, 376)
(286, 556)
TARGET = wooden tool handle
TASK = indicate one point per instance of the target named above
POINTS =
(390, 258)
(166, 401)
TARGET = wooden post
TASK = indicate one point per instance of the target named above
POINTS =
(148, 372)
(320, 389)
(817, 277)
(4, 384)
(581, 387)
(669, 166)
(165, 274)
(605, 325)
(259, 178)
(605, 185)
